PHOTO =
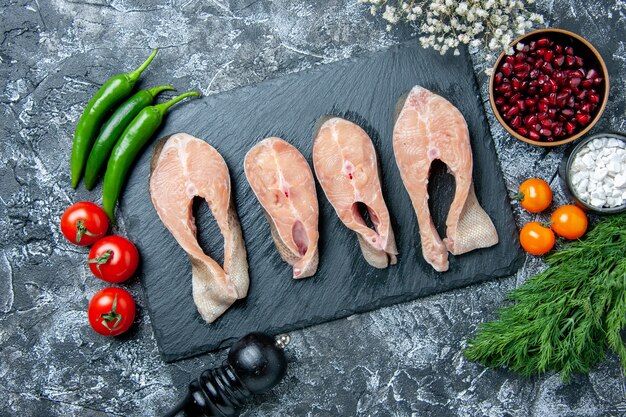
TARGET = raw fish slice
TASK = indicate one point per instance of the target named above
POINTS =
(182, 168)
(346, 166)
(429, 127)
(283, 183)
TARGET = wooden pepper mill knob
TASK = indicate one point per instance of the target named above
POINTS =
(255, 364)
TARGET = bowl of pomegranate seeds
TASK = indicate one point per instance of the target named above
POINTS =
(551, 90)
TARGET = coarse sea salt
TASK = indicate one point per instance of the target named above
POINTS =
(598, 172)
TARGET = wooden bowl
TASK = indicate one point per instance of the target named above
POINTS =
(584, 49)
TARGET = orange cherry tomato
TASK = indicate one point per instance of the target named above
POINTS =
(536, 239)
(569, 222)
(534, 195)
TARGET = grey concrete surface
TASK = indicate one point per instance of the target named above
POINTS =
(398, 361)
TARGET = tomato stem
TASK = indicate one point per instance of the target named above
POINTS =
(82, 230)
(519, 196)
(101, 260)
(111, 316)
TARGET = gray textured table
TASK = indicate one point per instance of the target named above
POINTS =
(396, 361)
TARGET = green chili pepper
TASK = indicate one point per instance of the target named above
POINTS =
(106, 98)
(113, 129)
(135, 137)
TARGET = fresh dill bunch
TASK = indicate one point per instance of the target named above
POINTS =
(565, 318)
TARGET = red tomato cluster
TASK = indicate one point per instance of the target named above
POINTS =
(568, 221)
(113, 259)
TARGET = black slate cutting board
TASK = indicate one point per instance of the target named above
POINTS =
(365, 90)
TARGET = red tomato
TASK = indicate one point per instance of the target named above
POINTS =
(111, 311)
(113, 259)
(84, 223)
(569, 222)
(536, 239)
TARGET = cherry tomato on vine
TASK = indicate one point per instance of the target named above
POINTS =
(113, 259)
(534, 195)
(536, 238)
(111, 311)
(84, 223)
(569, 221)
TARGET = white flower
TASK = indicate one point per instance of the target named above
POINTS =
(461, 8)
(486, 24)
(390, 14)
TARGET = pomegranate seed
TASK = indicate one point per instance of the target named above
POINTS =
(509, 59)
(574, 82)
(538, 63)
(520, 57)
(569, 50)
(552, 98)
(571, 101)
(583, 119)
(558, 49)
(548, 55)
(546, 132)
(552, 113)
(562, 96)
(581, 95)
(532, 89)
(592, 73)
(570, 60)
(567, 112)
(498, 78)
(532, 45)
(533, 135)
(534, 74)
(547, 123)
(522, 131)
(500, 101)
(507, 69)
(516, 122)
(530, 120)
(513, 99)
(543, 42)
(547, 68)
(543, 107)
(503, 88)
(557, 131)
(516, 83)
(594, 97)
(579, 61)
(586, 83)
(512, 111)
(559, 77)
(559, 60)
(578, 73)
(519, 67)
(505, 108)
(570, 127)
(597, 81)
(521, 105)
(586, 108)
(542, 116)
(530, 102)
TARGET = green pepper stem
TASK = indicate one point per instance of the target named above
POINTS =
(156, 90)
(162, 108)
(133, 75)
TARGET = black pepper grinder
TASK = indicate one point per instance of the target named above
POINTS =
(255, 364)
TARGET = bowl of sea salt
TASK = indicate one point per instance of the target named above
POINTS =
(595, 173)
